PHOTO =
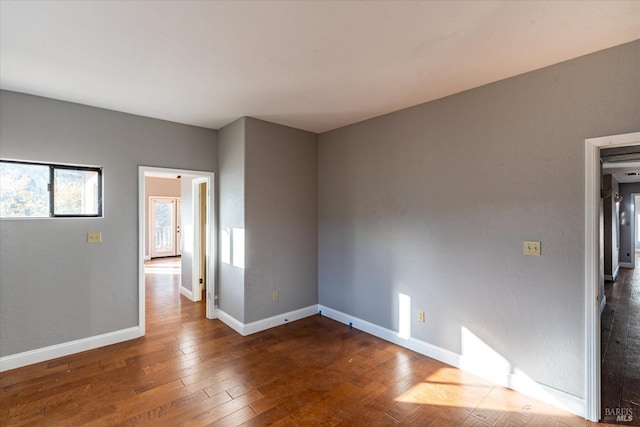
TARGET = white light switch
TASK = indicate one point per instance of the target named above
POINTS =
(532, 248)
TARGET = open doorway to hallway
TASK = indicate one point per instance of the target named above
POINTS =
(620, 305)
(177, 236)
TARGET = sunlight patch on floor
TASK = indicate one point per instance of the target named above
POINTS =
(161, 266)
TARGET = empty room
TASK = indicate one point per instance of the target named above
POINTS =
(319, 213)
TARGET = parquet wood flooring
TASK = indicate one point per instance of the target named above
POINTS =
(189, 371)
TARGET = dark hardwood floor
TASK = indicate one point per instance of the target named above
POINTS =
(313, 372)
(620, 346)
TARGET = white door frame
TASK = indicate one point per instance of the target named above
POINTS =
(195, 259)
(592, 264)
(178, 226)
(633, 236)
(211, 241)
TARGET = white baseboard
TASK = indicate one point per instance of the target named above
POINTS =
(613, 277)
(438, 353)
(507, 377)
(186, 292)
(264, 324)
(603, 303)
(230, 321)
(59, 350)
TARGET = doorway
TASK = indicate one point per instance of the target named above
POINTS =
(636, 231)
(200, 232)
(164, 226)
(193, 218)
(592, 265)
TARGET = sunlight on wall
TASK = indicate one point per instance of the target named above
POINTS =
(225, 246)
(187, 236)
(481, 359)
(238, 247)
(404, 316)
(477, 356)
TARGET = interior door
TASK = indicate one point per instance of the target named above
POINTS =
(178, 236)
(202, 219)
(163, 226)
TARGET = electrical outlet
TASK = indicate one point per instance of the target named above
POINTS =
(532, 248)
(95, 237)
(276, 296)
(421, 316)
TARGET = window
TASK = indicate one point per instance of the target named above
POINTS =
(37, 190)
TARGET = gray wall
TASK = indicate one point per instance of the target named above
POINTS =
(627, 209)
(231, 141)
(54, 287)
(435, 202)
(281, 212)
(268, 187)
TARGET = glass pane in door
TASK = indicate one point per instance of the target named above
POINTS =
(164, 220)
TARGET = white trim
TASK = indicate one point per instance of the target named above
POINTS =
(625, 265)
(603, 303)
(268, 323)
(187, 293)
(634, 237)
(280, 319)
(438, 353)
(60, 350)
(515, 380)
(212, 249)
(614, 276)
(592, 264)
(141, 246)
(195, 256)
(230, 321)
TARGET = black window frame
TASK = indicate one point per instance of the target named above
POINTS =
(51, 188)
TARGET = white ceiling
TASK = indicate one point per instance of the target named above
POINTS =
(314, 65)
(621, 170)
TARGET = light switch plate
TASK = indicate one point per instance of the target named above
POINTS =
(532, 248)
(94, 237)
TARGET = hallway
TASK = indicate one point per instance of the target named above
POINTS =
(165, 306)
(620, 346)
